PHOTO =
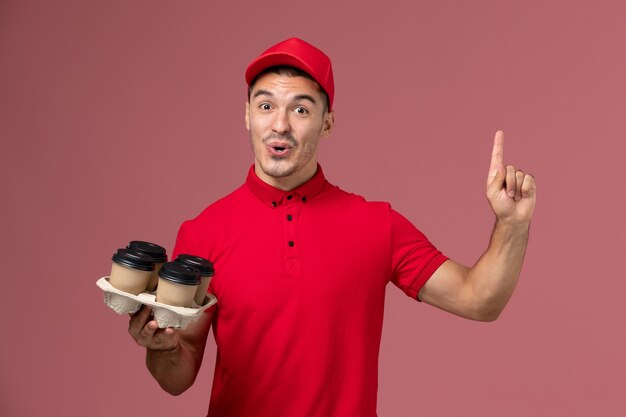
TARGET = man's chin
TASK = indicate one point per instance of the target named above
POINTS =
(279, 170)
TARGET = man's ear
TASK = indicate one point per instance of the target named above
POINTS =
(329, 122)
(248, 116)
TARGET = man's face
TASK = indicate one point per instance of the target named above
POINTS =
(286, 118)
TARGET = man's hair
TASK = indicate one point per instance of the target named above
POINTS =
(287, 71)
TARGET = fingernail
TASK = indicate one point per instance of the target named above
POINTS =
(511, 194)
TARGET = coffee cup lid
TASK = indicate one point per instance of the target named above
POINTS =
(180, 273)
(133, 259)
(158, 253)
(203, 265)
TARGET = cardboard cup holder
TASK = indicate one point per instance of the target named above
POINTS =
(165, 315)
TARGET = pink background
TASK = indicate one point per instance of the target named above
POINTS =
(120, 119)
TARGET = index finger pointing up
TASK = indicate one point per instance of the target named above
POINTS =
(497, 156)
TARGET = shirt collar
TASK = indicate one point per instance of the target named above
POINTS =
(273, 197)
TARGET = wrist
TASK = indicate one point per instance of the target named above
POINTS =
(168, 350)
(511, 228)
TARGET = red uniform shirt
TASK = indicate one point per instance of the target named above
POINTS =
(300, 281)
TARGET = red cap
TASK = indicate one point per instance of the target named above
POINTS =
(297, 53)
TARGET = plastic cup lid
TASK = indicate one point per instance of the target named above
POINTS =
(180, 273)
(203, 265)
(158, 253)
(133, 259)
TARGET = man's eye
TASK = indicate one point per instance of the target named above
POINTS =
(265, 106)
(301, 110)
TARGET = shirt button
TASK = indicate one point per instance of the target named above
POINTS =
(303, 199)
(289, 217)
(273, 203)
(291, 244)
(289, 197)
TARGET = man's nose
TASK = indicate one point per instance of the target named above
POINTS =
(281, 122)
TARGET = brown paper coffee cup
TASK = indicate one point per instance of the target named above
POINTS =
(178, 284)
(130, 271)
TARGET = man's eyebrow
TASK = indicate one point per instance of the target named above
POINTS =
(262, 93)
(305, 97)
(296, 98)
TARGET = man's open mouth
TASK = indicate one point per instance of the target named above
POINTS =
(280, 149)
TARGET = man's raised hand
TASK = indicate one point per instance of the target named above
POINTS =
(510, 191)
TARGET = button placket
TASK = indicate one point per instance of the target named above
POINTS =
(291, 210)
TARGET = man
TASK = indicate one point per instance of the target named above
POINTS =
(302, 266)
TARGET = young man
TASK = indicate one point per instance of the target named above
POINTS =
(302, 266)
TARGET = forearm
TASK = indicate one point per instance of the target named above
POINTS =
(493, 278)
(173, 356)
(175, 370)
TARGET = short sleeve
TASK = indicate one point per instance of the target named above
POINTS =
(185, 244)
(414, 259)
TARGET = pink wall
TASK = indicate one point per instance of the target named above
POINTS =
(118, 120)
